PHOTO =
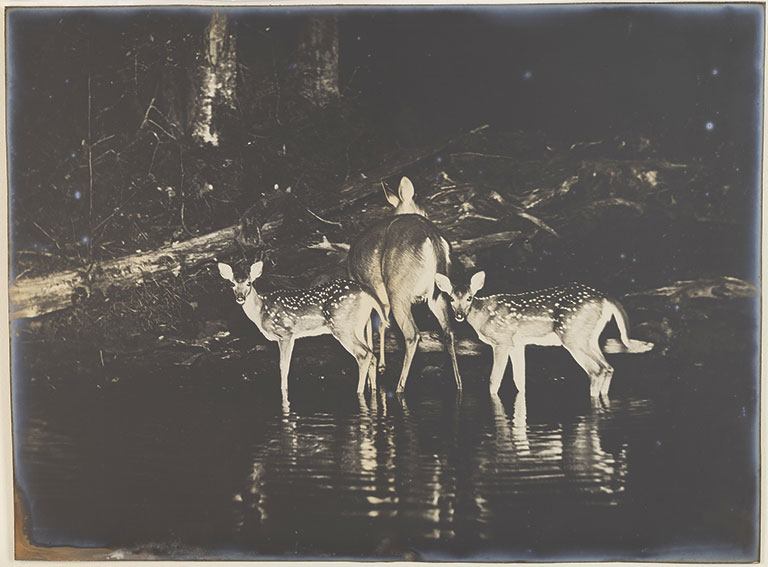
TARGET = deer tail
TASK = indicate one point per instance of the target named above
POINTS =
(622, 321)
(378, 306)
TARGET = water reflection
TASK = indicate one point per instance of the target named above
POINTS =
(588, 467)
(431, 468)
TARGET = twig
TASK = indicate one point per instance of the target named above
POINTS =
(617, 201)
(325, 244)
(507, 237)
(477, 216)
(104, 139)
(519, 211)
(117, 210)
(384, 189)
(56, 242)
(321, 219)
(146, 114)
(349, 81)
(34, 253)
(277, 85)
(478, 154)
(21, 274)
(538, 222)
(478, 129)
(184, 226)
(98, 158)
(157, 144)
(166, 132)
(447, 191)
(90, 178)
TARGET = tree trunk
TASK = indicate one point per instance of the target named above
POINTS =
(214, 81)
(318, 56)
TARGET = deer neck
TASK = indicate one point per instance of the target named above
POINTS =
(252, 308)
(474, 314)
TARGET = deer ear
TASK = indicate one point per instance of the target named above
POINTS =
(393, 200)
(225, 271)
(443, 283)
(477, 282)
(256, 270)
(406, 190)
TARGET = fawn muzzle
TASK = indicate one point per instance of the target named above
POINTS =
(241, 291)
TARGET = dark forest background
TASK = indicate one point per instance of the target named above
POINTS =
(638, 127)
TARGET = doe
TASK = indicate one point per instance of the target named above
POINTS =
(571, 315)
(398, 258)
(341, 308)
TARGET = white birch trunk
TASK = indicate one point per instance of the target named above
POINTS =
(214, 80)
(319, 57)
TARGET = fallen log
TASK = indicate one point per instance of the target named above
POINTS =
(473, 244)
(32, 297)
(712, 288)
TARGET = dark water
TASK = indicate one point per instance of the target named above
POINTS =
(208, 462)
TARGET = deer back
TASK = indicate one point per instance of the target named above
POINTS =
(364, 258)
(537, 314)
(412, 252)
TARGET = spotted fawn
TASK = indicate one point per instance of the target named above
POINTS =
(571, 315)
(398, 258)
(341, 308)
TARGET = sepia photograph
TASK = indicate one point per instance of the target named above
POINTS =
(385, 283)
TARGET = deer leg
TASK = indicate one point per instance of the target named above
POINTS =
(517, 357)
(591, 366)
(286, 350)
(372, 373)
(382, 331)
(371, 367)
(356, 346)
(407, 325)
(500, 355)
(606, 371)
(369, 333)
(381, 292)
(439, 307)
(369, 343)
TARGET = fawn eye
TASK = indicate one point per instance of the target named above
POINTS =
(470, 298)
(247, 284)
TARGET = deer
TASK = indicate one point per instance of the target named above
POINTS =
(572, 316)
(341, 308)
(398, 258)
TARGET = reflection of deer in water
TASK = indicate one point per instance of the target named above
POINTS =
(588, 467)
(511, 436)
(504, 458)
(426, 479)
(253, 504)
(367, 453)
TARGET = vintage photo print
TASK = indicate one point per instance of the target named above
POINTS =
(385, 283)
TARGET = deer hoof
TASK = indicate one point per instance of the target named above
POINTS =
(382, 368)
